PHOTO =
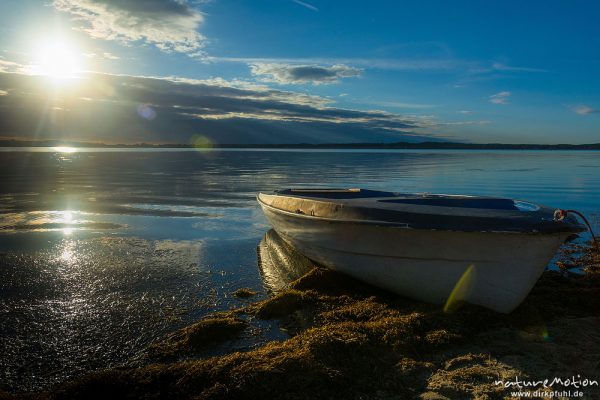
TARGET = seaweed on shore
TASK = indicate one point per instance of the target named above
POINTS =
(244, 293)
(198, 336)
(352, 341)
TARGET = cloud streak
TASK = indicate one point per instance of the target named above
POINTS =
(301, 74)
(500, 98)
(11, 66)
(503, 67)
(585, 110)
(170, 25)
(393, 64)
(402, 105)
(306, 5)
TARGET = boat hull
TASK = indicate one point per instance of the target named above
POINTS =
(492, 269)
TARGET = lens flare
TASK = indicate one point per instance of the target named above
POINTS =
(461, 290)
(201, 142)
(545, 334)
(146, 112)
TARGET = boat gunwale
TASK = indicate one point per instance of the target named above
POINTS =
(349, 221)
(570, 230)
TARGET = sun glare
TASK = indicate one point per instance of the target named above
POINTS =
(58, 60)
(67, 217)
(64, 149)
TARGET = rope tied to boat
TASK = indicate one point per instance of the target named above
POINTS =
(559, 215)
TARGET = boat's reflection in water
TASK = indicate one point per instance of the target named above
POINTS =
(280, 263)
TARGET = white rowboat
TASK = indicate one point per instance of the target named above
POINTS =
(435, 248)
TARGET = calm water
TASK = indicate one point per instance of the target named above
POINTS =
(104, 251)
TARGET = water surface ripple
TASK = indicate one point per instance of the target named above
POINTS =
(102, 252)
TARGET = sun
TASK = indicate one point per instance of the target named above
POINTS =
(58, 59)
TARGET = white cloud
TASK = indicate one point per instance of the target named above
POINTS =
(500, 98)
(465, 112)
(304, 4)
(585, 110)
(397, 104)
(463, 123)
(169, 25)
(10, 66)
(111, 56)
(503, 67)
(298, 74)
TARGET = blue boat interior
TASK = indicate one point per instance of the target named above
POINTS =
(336, 193)
(463, 202)
(489, 203)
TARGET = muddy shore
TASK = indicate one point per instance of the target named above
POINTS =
(350, 340)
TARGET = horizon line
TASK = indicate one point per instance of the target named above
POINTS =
(355, 145)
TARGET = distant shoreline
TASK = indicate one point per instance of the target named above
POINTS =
(396, 145)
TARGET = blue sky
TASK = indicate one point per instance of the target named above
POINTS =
(300, 71)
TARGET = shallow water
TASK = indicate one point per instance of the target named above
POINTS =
(105, 251)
